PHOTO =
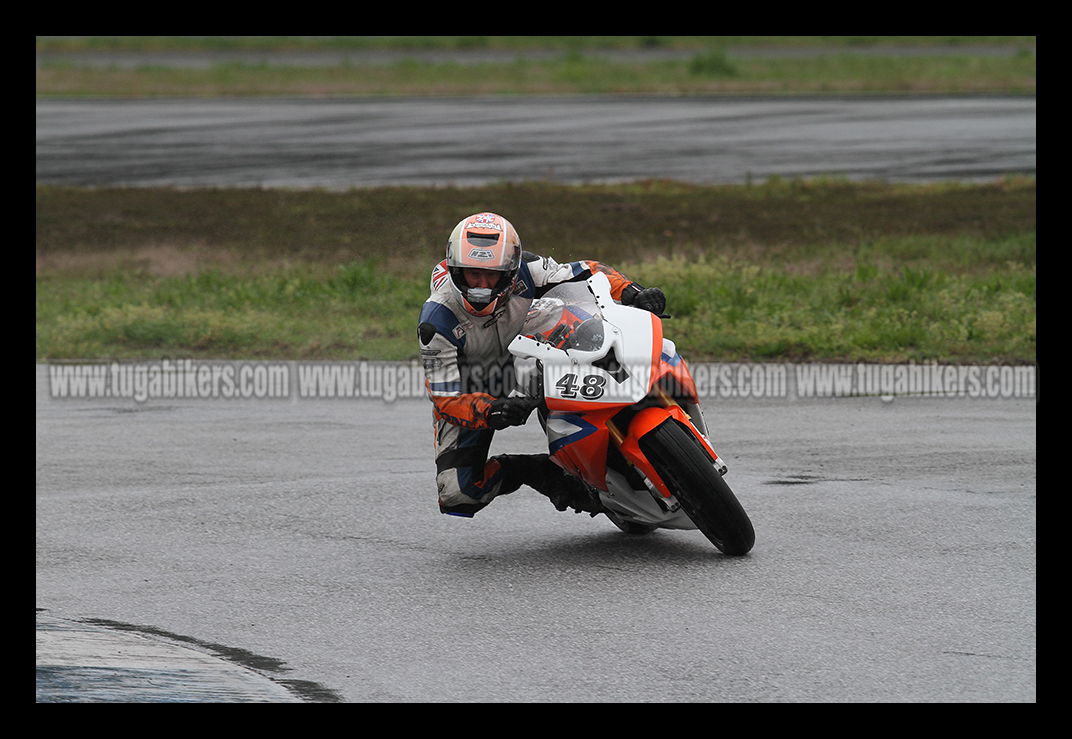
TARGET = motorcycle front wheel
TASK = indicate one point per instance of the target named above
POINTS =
(705, 497)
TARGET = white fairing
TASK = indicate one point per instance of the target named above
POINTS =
(650, 509)
(621, 344)
(626, 345)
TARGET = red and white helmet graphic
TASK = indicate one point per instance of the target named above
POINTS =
(481, 244)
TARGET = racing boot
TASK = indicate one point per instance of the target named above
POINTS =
(544, 476)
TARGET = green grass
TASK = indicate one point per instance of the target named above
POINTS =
(573, 67)
(704, 74)
(785, 270)
(729, 311)
(290, 311)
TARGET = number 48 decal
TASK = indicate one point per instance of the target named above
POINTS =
(590, 388)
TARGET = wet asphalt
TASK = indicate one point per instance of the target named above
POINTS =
(85, 662)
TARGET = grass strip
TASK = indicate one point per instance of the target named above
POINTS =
(823, 270)
(703, 73)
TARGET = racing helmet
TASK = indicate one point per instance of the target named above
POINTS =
(484, 241)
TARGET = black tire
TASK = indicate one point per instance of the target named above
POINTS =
(705, 497)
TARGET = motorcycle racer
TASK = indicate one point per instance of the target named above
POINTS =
(480, 296)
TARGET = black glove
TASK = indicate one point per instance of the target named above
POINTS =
(509, 412)
(651, 299)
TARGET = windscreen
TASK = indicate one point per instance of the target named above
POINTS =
(567, 317)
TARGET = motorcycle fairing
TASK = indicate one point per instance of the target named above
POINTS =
(647, 421)
(579, 426)
(578, 443)
(566, 428)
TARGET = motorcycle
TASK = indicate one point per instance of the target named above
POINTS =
(621, 412)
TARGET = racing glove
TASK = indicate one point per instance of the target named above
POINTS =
(651, 299)
(648, 298)
(509, 412)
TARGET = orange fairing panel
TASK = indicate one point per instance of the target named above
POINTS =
(647, 421)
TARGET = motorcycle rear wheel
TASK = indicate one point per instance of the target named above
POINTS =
(705, 497)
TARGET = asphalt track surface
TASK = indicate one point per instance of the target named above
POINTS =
(338, 144)
(299, 542)
(272, 551)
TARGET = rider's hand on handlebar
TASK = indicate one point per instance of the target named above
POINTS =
(651, 299)
(509, 412)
